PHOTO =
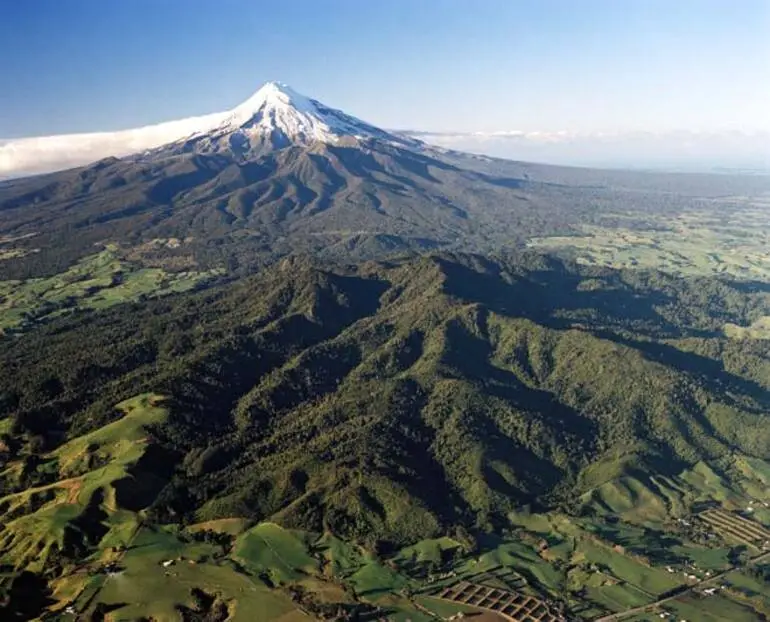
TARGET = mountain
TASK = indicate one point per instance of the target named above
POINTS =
(49, 153)
(283, 173)
(276, 116)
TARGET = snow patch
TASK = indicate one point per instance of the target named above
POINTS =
(278, 112)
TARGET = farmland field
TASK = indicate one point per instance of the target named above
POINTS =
(514, 605)
(736, 527)
(711, 609)
(96, 282)
(734, 244)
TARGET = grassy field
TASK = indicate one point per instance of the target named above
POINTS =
(145, 587)
(708, 485)
(641, 501)
(281, 553)
(341, 558)
(95, 282)
(713, 559)
(710, 609)
(696, 243)
(753, 477)
(759, 329)
(617, 597)
(161, 568)
(373, 580)
(654, 500)
(650, 580)
(593, 548)
(28, 541)
(749, 590)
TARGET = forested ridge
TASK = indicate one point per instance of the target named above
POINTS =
(392, 401)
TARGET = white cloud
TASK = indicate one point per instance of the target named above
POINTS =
(675, 149)
(694, 150)
(26, 156)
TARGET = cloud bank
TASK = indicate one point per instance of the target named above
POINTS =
(672, 150)
(683, 150)
(29, 156)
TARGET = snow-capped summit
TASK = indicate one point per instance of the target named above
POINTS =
(277, 116)
(277, 106)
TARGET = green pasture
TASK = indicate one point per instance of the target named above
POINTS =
(147, 588)
(281, 553)
(28, 540)
(691, 243)
(95, 282)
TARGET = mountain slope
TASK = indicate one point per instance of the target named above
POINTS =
(283, 173)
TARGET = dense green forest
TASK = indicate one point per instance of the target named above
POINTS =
(390, 401)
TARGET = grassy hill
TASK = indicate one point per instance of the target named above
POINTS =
(95, 478)
(97, 281)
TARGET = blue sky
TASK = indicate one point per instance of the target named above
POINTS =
(443, 65)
